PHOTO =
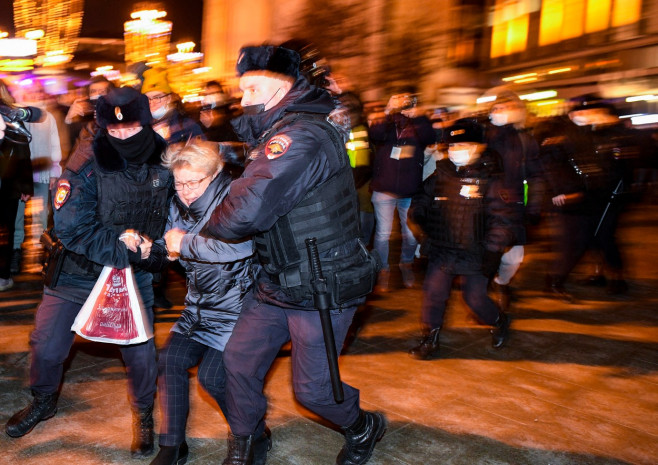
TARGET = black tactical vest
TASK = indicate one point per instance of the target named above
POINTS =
(457, 212)
(125, 203)
(329, 213)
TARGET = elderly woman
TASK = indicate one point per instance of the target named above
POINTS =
(219, 275)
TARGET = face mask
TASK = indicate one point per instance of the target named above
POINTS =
(459, 157)
(93, 98)
(159, 113)
(581, 120)
(259, 107)
(137, 148)
(498, 119)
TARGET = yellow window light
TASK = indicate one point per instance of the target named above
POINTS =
(520, 76)
(539, 95)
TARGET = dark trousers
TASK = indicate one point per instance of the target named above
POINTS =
(436, 291)
(573, 235)
(176, 358)
(8, 209)
(51, 343)
(605, 239)
(257, 337)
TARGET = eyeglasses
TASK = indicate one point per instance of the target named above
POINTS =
(157, 99)
(191, 185)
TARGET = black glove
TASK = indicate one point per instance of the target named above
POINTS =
(134, 257)
(490, 263)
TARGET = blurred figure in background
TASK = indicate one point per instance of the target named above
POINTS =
(522, 182)
(400, 139)
(81, 112)
(461, 210)
(16, 185)
(174, 126)
(46, 154)
(215, 114)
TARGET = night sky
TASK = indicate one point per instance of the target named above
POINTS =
(105, 18)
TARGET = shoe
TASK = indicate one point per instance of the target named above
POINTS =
(361, 438)
(429, 345)
(142, 445)
(43, 407)
(172, 455)
(500, 332)
(382, 281)
(408, 278)
(245, 450)
(6, 284)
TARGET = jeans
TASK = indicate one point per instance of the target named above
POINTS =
(385, 205)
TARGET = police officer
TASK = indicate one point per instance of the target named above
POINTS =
(298, 185)
(115, 186)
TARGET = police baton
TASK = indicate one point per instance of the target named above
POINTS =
(322, 303)
(614, 194)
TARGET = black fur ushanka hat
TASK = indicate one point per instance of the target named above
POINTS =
(123, 105)
(271, 58)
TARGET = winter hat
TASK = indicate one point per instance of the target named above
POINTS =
(464, 130)
(156, 80)
(272, 58)
(123, 105)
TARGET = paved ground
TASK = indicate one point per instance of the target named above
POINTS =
(578, 383)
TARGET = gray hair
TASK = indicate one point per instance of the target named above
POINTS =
(195, 153)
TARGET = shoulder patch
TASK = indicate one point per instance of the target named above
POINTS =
(277, 146)
(62, 194)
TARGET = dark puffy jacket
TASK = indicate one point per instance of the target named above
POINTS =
(463, 214)
(403, 176)
(219, 274)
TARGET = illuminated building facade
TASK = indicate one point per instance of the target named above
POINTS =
(55, 24)
(609, 47)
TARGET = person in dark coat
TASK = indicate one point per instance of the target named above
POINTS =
(400, 139)
(16, 186)
(469, 225)
(522, 182)
(219, 276)
(297, 185)
(111, 190)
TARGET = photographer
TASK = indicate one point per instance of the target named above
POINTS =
(400, 139)
(81, 111)
(15, 185)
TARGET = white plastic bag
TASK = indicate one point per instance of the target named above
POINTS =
(113, 311)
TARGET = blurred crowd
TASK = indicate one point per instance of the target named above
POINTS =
(466, 188)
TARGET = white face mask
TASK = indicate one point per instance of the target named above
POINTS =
(159, 113)
(459, 157)
(498, 119)
(581, 120)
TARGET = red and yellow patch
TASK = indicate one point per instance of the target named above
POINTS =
(62, 194)
(277, 146)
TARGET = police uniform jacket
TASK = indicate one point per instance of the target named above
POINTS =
(286, 163)
(219, 274)
(463, 214)
(78, 211)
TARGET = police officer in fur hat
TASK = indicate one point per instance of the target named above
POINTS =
(109, 204)
(462, 211)
(298, 185)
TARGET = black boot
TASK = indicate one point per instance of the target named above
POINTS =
(43, 406)
(429, 345)
(171, 455)
(500, 332)
(247, 450)
(361, 437)
(555, 287)
(142, 445)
